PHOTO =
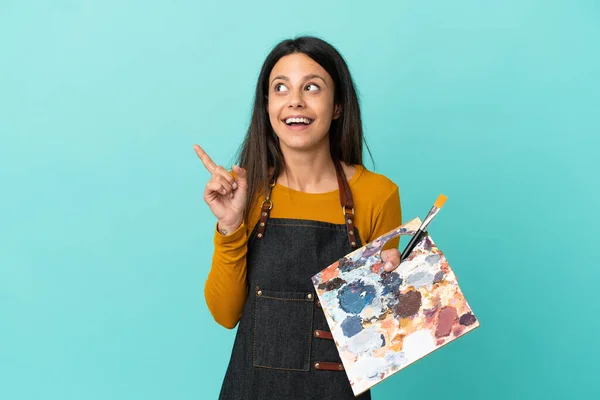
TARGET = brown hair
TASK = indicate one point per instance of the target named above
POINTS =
(260, 150)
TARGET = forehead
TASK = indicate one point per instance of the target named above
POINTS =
(296, 66)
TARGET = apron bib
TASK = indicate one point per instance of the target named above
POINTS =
(283, 347)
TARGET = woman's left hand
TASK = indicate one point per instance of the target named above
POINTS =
(391, 257)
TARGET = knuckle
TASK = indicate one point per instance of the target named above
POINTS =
(227, 176)
(225, 183)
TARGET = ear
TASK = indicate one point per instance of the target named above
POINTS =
(337, 111)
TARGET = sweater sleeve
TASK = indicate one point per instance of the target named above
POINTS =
(226, 288)
(388, 217)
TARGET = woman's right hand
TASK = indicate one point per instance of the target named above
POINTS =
(224, 194)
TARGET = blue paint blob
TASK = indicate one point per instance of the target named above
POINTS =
(391, 283)
(351, 326)
(355, 296)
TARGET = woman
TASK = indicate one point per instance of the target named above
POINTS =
(300, 200)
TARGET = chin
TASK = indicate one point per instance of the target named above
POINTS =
(299, 142)
(298, 145)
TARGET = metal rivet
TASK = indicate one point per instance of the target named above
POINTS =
(264, 214)
(351, 233)
(262, 224)
(340, 367)
(309, 296)
(259, 293)
(317, 365)
(317, 333)
(260, 235)
(353, 243)
(349, 221)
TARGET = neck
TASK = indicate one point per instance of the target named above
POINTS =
(310, 172)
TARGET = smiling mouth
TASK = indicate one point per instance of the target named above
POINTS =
(298, 121)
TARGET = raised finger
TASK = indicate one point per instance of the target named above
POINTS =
(209, 164)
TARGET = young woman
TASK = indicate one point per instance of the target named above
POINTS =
(299, 200)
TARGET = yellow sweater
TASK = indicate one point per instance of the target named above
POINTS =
(377, 211)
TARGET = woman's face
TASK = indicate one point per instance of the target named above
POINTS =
(301, 103)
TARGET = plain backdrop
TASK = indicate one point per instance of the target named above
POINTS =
(105, 242)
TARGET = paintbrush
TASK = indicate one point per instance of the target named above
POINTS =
(421, 231)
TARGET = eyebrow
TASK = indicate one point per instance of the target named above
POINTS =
(306, 78)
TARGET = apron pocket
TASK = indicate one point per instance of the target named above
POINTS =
(282, 330)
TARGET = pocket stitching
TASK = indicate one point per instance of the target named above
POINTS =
(283, 298)
(307, 368)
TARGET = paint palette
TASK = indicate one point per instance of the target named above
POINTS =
(382, 322)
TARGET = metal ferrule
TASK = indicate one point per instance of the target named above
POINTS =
(432, 213)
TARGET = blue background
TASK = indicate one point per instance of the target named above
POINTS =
(105, 242)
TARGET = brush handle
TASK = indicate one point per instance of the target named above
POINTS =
(411, 245)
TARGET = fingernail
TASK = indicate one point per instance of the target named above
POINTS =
(234, 185)
(388, 266)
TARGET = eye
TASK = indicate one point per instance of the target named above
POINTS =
(280, 87)
(311, 87)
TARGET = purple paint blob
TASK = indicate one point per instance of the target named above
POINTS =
(438, 277)
(346, 264)
(332, 284)
(371, 249)
(427, 243)
(432, 259)
(467, 319)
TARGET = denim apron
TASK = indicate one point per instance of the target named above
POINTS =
(283, 348)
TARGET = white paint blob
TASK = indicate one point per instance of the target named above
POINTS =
(418, 344)
(369, 367)
(366, 340)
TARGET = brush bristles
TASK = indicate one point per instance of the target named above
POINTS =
(440, 201)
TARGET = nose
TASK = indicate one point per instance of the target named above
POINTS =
(296, 99)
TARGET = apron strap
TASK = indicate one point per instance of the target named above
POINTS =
(265, 211)
(346, 201)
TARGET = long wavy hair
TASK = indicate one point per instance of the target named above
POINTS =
(260, 149)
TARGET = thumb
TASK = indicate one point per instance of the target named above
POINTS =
(391, 257)
(240, 175)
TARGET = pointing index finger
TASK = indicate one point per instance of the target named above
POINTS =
(209, 164)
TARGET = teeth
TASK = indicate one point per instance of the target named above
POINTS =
(298, 121)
